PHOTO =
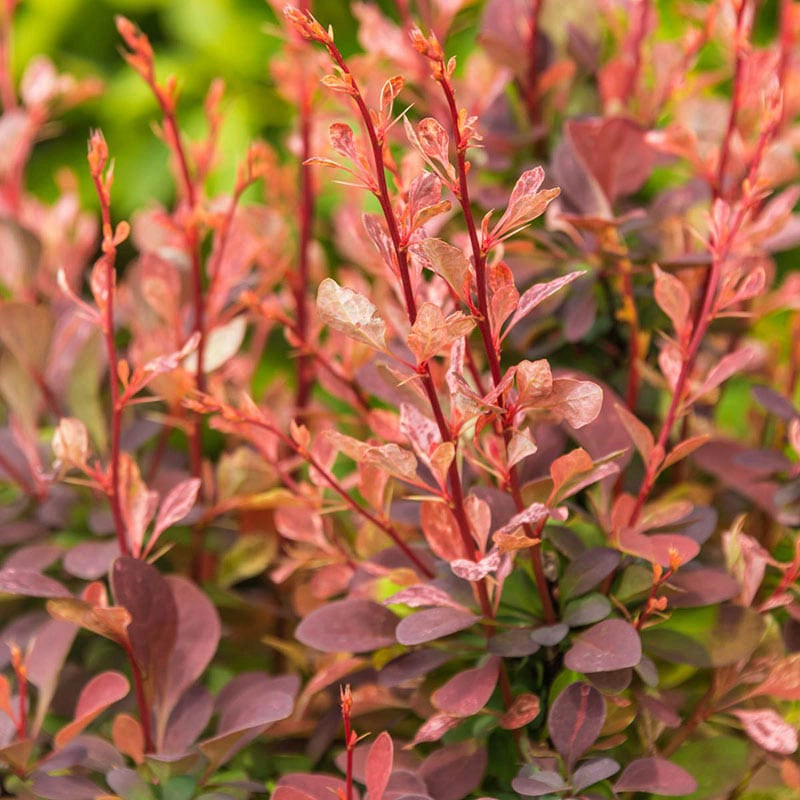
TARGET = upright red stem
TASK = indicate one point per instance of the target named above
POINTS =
(98, 157)
(141, 699)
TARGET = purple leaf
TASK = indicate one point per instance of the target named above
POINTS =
(610, 645)
(36, 557)
(586, 610)
(30, 583)
(435, 727)
(354, 625)
(575, 721)
(534, 783)
(411, 665)
(593, 771)
(454, 771)
(588, 570)
(704, 586)
(513, 643)
(550, 635)
(656, 775)
(91, 560)
(379, 766)
(196, 638)
(45, 660)
(775, 403)
(433, 623)
(65, 787)
(248, 705)
(467, 692)
(187, 720)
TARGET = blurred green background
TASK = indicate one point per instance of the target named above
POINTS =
(197, 40)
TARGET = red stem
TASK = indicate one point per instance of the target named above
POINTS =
(109, 258)
(8, 95)
(384, 199)
(305, 372)
(141, 699)
(484, 326)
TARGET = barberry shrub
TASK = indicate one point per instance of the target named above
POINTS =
(452, 451)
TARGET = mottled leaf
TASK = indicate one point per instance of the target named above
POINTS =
(350, 313)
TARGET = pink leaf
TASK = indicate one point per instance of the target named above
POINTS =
(379, 766)
(434, 728)
(424, 595)
(768, 729)
(537, 294)
(673, 299)
(174, 507)
(350, 313)
(610, 645)
(476, 570)
(656, 775)
(102, 691)
(354, 625)
(467, 692)
(525, 204)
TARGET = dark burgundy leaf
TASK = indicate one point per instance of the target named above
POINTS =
(141, 589)
(514, 643)
(593, 771)
(610, 645)
(534, 783)
(454, 771)
(588, 570)
(379, 766)
(549, 635)
(467, 692)
(656, 775)
(30, 583)
(575, 721)
(354, 625)
(431, 624)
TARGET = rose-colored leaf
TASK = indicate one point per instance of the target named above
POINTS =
(534, 513)
(448, 262)
(342, 140)
(656, 775)
(174, 507)
(639, 432)
(91, 560)
(593, 771)
(523, 710)
(527, 202)
(783, 679)
(537, 294)
(441, 530)
(354, 625)
(476, 570)
(575, 721)
(768, 729)
(432, 332)
(577, 402)
(728, 365)
(433, 623)
(29, 583)
(221, 344)
(467, 692)
(434, 728)
(673, 299)
(126, 733)
(350, 313)
(137, 502)
(532, 782)
(424, 595)
(379, 766)
(102, 691)
(683, 449)
(658, 547)
(610, 645)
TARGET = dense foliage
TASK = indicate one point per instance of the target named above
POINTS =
(451, 449)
